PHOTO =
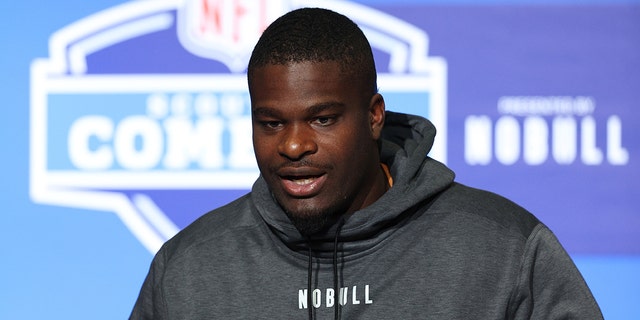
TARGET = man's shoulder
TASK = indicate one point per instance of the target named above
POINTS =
(488, 206)
(215, 224)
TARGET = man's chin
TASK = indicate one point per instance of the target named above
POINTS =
(312, 221)
(311, 224)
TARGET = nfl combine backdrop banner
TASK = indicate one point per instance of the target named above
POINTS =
(123, 121)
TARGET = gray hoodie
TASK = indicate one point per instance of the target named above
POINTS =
(429, 248)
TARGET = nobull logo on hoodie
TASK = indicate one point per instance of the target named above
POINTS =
(328, 298)
(143, 109)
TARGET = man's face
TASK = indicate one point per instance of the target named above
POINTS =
(314, 135)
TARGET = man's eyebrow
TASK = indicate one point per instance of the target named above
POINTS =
(321, 107)
(309, 111)
(265, 112)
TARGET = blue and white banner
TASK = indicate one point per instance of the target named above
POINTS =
(143, 106)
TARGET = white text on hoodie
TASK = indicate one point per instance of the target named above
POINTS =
(357, 297)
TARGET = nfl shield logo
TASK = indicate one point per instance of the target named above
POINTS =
(225, 30)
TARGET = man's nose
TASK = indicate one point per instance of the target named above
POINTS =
(298, 141)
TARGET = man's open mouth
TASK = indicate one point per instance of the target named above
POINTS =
(303, 186)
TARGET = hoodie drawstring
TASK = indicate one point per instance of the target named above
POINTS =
(336, 291)
(309, 281)
(336, 284)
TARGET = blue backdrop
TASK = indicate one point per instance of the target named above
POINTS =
(534, 100)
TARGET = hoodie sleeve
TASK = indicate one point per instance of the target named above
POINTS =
(549, 284)
(150, 303)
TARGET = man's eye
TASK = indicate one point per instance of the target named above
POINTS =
(324, 121)
(271, 124)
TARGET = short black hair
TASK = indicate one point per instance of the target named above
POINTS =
(316, 35)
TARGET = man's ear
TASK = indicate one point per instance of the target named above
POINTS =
(376, 115)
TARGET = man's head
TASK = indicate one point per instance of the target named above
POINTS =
(314, 34)
(316, 117)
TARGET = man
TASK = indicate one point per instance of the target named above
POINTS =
(350, 218)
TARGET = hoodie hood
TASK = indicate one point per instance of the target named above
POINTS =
(406, 141)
